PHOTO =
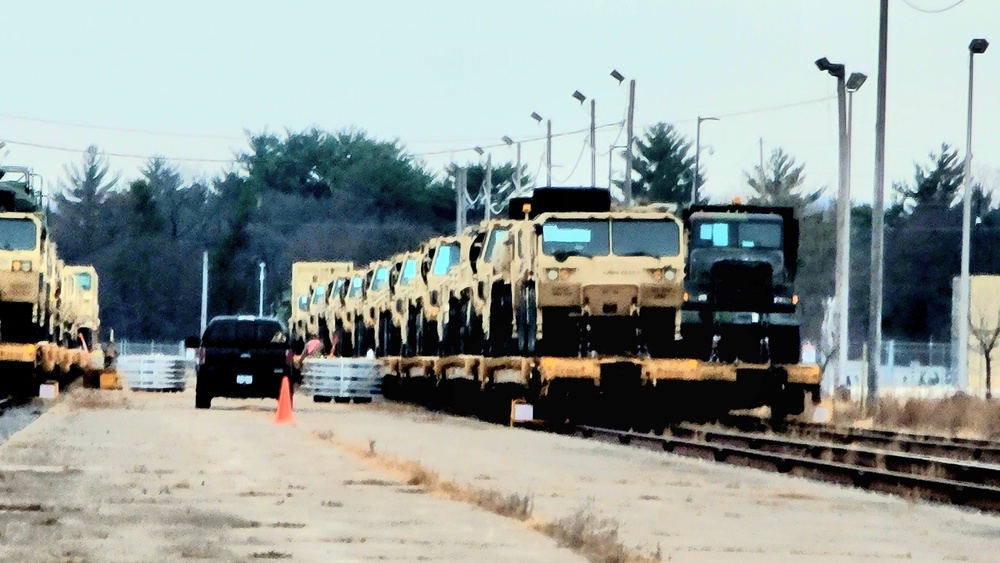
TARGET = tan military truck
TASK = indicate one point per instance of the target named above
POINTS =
(407, 299)
(494, 267)
(309, 284)
(445, 265)
(377, 309)
(595, 282)
(349, 315)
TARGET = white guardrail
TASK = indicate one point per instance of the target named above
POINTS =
(154, 372)
(342, 379)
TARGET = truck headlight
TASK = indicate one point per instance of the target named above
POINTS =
(20, 266)
(781, 300)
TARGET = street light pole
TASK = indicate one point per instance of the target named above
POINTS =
(976, 47)
(697, 156)
(841, 287)
(627, 184)
(517, 171)
(878, 211)
(260, 302)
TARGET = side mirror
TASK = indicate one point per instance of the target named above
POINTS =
(192, 342)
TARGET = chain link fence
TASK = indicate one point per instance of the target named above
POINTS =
(907, 369)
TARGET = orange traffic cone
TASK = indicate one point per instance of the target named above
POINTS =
(284, 414)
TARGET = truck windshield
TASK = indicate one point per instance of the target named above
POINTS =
(497, 237)
(84, 281)
(18, 234)
(303, 302)
(736, 234)
(578, 237)
(645, 237)
(357, 283)
(233, 333)
(409, 271)
(381, 278)
(318, 294)
(447, 256)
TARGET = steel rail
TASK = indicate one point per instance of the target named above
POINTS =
(903, 474)
(978, 449)
(987, 451)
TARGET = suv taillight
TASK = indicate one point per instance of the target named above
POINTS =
(201, 356)
(289, 357)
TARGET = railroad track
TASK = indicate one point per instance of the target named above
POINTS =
(987, 451)
(943, 479)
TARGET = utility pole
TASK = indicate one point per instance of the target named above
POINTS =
(548, 153)
(760, 142)
(204, 292)
(593, 143)
(628, 144)
(460, 190)
(878, 212)
(260, 302)
(488, 191)
(517, 174)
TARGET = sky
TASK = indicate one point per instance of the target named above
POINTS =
(187, 79)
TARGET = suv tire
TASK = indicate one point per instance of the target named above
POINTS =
(202, 400)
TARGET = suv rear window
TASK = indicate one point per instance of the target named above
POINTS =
(236, 333)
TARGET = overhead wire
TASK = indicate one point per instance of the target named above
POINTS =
(450, 151)
(118, 154)
(583, 149)
(932, 11)
(119, 129)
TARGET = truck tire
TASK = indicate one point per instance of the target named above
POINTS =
(202, 399)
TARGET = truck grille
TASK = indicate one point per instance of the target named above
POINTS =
(742, 286)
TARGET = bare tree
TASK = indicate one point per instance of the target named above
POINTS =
(986, 336)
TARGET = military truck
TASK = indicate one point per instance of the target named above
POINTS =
(408, 298)
(376, 312)
(586, 280)
(83, 306)
(32, 329)
(350, 317)
(740, 286)
(310, 281)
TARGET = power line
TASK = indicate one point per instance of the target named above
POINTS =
(578, 159)
(118, 129)
(120, 155)
(927, 11)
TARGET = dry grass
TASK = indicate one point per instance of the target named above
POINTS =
(593, 537)
(583, 532)
(960, 415)
(95, 399)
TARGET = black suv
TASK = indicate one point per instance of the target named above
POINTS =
(242, 356)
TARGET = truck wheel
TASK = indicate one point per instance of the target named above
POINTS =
(202, 400)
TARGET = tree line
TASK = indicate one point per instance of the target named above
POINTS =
(315, 195)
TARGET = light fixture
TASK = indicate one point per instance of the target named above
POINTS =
(834, 69)
(479, 150)
(536, 117)
(507, 140)
(978, 46)
(855, 81)
(579, 96)
(617, 76)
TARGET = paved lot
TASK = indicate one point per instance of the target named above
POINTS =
(110, 476)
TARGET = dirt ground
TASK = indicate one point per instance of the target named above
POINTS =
(118, 476)
(112, 476)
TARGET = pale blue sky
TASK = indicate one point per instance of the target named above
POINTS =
(448, 75)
